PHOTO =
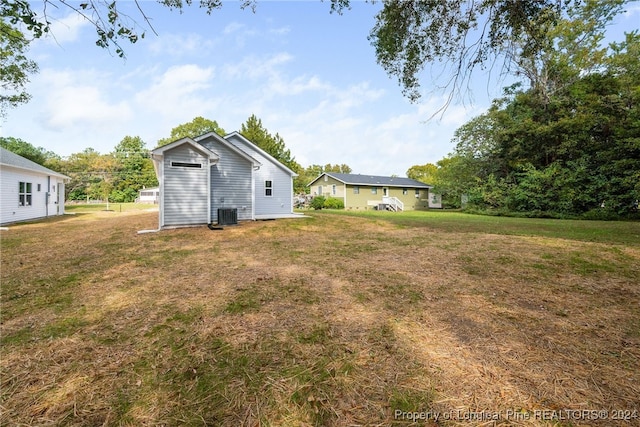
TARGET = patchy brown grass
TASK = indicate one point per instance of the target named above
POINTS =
(331, 320)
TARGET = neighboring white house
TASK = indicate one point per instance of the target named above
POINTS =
(149, 195)
(209, 175)
(28, 190)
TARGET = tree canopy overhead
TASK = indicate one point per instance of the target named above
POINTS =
(462, 35)
(408, 37)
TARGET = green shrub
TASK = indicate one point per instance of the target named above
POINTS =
(317, 202)
(601, 214)
(333, 203)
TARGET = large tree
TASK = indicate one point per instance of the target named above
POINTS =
(134, 169)
(255, 132)
(196, 127)
(462, 35)
(23, 148)
(15, 67)
(577, 152)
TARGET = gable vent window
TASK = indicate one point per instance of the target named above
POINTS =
(186, 165)
(268, 188)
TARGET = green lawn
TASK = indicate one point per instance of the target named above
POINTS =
(620, 232)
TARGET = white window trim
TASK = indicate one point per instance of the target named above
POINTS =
(268, 186)
(26, 195)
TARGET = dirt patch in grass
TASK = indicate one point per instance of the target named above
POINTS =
(332, 320)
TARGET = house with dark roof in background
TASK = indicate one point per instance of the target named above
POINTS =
(28, 190)
(362, 192)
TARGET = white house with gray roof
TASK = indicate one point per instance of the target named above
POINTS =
(28, 190)
(362, 192)
(204, 177)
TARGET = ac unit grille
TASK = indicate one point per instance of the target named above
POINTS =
(227, 216)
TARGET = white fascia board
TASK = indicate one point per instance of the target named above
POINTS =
(158, 153)
(231, 146)
(264, 153)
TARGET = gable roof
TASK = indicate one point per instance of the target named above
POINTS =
(8, 158)
(373, 180)
(260, 151)
(228, 144)
(156, 153)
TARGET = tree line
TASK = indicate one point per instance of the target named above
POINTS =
(565, 146)
(119, 175)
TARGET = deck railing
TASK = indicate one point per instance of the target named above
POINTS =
(393, 203)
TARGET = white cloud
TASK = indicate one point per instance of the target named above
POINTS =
(240, 32)
(253, 67)
(67, 29)
(632, 10)
(178, 45)
(178, 92)
(282, 31)
(71, 101)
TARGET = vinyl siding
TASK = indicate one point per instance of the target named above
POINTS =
(185, 190)
(230, 182)
(10, 211)
(281, 200)
(366, 200)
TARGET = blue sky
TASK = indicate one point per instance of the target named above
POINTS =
(309, 75)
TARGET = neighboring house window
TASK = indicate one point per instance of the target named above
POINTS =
(24, 194)
(186, 165)
(405, 191)
(333, 189)
(326, 178)
(374, 190)
(268, 188)
(356, 190)
(39, 187)
(417, 193)
(319, 190)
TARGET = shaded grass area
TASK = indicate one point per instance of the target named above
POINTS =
(330, 320)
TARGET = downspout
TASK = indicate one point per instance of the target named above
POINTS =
(344, 189)
(253, 192)
(46, 197)
(209, 187)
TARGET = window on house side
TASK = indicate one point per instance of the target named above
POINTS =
(417, 193)
(39, 187)
(374, 190)
(268, 188)
(333, 189)
(356, 190)
(24, 194)
(405, 191)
